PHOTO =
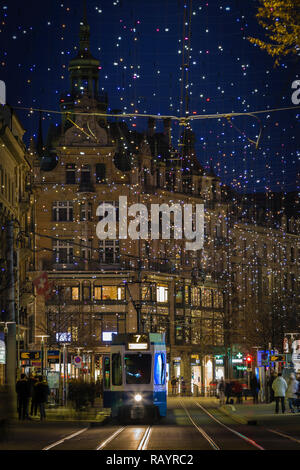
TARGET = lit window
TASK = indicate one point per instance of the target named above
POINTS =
(75, 293)
(162, 293)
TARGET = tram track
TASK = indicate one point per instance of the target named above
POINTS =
(196, 426)
(211, 441)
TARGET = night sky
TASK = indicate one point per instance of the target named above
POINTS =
(139, 45)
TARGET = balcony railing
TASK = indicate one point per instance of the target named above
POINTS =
(122, 265)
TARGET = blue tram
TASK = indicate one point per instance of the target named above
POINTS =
(134, 377)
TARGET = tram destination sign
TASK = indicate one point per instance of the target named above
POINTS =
(138, 342)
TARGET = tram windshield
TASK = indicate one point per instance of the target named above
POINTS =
(138, 368)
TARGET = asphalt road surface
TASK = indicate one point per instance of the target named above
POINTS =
(193, 424)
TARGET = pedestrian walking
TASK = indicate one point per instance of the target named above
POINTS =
(22, 389)
(228, 391)
(269, 384)
(31, 383)
(92, 393)
(238, 392)
(254, 387)
(183, 386)
(221, 391)
(291, 392)
(41, 395)
(174, 385)
(279, 387)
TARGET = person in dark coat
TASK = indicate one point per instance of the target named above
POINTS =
(238, 391)
(42, 391)
(31, 382)
(92, 393)
(254, 386)
(183, 386)
(228, 391)
(22, 389)
(270, 383)
(174, 385)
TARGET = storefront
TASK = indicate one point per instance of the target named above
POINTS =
(219, 367)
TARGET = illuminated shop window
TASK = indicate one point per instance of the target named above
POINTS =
(162, 293)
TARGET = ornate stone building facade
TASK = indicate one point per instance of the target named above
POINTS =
(15, 207)
(204, 300)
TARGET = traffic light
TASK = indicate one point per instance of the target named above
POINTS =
(249, 360)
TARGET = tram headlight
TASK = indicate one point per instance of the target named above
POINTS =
(138, 397)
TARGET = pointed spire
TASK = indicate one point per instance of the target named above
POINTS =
(84, 34)
(84, 18)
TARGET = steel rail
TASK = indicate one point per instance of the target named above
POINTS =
(74, 434)
(242, 436)
(201, 430)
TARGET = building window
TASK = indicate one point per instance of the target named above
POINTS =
(206, 295)
(218, 299)
(86, 250)
(85, 174)
(109, 293)
(113, 293)
(63, 251)
(97, 293)
(179, 296)
(100, 173)
(162, 293)
(195, 296)
(62, 211)
(70, 173)
(75, 293)
(86, 211)
(109, 251)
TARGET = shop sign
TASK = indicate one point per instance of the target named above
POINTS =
(219, 360)
(53, 379)
(195, 359)
(238, 359)
(2, 350)
(241, 367)
(30, 355)
(296, 354)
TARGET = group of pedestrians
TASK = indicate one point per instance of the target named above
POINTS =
(229, 389)
(286, 389)
(280, 388)
(175, 382)
(31, 392)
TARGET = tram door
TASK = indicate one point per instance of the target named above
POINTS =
(106, 368)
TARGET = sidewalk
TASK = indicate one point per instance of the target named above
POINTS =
(249, 413)
(93, 415)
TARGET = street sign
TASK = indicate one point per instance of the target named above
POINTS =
(53, 356)
(30, 355)
(278, 358)
(78, 361)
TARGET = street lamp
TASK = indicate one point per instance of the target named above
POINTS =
(42, 350)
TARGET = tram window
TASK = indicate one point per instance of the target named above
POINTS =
(138, 368)
(116, 369)
(107, 372)
(159, 369)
